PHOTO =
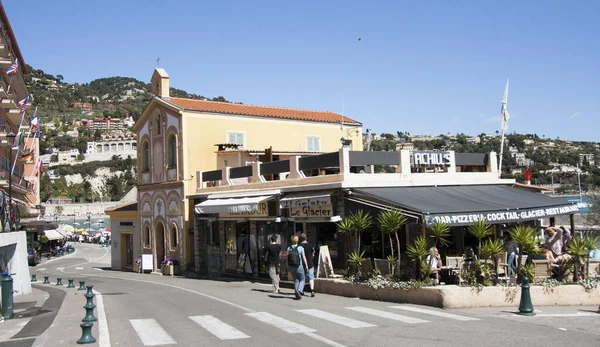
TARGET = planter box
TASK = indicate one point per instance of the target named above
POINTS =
(170, 270)
(451, 296)
(137, 267)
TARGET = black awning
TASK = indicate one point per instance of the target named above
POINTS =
(462, 205)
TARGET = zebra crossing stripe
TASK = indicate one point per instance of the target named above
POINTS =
(434, 313)
(345, 321)
(387, 315)
(79, 268)
(42, 269)
(60, 268)
(151, 333)
(218, 328)
(280, 323)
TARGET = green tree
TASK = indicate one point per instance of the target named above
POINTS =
(480, 229)
(440, 232)
(390, 221)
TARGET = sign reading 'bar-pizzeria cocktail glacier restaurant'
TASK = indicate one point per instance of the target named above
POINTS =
(500, 216)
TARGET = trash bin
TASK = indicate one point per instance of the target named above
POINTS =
(7, 295)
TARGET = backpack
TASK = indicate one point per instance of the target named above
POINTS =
(293, 257)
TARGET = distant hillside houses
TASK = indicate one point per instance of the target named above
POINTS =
(108, 123)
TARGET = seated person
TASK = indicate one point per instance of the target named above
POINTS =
(434, 262)
(469, 255)
(553, 244)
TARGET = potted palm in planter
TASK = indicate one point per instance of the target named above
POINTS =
(170, 267)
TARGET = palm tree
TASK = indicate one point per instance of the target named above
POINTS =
(492, 249)
(480, 229)
(355, 223)
(390, 221)
(361, 222)
(525, 237)
(577, 249)
(440, 231)
(418, 253)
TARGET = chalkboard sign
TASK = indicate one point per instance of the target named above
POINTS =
(147, 262)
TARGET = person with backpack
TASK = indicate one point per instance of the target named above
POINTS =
(296, 262)
(310, 255)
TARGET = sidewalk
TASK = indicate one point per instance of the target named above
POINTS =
(49, 316)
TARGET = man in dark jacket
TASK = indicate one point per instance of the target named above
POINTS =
(309, 248)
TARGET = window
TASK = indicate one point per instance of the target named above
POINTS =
(158, 125)
(238, 138)
(147, 237)
(145, 157)
(313, 144)
(173, 236)
(172, 151)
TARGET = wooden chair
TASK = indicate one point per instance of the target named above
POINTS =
(542, 269)
(502, 265)
(592, 266)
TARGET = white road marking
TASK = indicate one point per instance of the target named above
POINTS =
(41, 269)
(243, 308)
(151, 333)
(324, 340)
(79, 268)
(563, 329)
(103, 334)
(281, 323)
(580, 314)
(218, 328)
(434, 313)
(387, 315)
(60, 268)
(98, 269)
(349, 322)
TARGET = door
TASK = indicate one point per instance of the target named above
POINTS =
(128, 249)
(159, 238)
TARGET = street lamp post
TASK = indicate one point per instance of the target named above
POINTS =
(10, 141)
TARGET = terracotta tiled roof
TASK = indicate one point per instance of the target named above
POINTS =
(259, 111)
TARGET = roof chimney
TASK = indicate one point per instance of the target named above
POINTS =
(160, 83)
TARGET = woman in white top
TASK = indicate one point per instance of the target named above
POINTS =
(435, 263)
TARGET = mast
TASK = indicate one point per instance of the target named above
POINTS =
(504, 116)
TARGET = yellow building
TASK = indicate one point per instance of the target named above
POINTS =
(178, 137)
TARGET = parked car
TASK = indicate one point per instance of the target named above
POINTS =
(33, 257)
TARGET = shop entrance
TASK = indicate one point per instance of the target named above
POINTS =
(159, 238)
(246, 249)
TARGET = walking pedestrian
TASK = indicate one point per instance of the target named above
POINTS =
(296, 262)
(309, 250)
(272, 260)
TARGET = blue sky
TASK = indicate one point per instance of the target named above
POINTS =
(426, 67)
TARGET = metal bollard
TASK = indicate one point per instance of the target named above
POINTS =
(89, 291)
(525, 306)
(81, 285)
(7, 295)
(71, 285)
(89, 306)
(86, 333)
(46, 279)
(33, 278)
(59, 281)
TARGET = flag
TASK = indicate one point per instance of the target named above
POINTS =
(37, 132)
(28, 156)
(34, 121)
(12, 70)
(18, 140)
(23, 104)
(503, 111)
(40, 168)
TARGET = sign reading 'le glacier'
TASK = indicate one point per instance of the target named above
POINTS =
(501, 216)
(432, 159)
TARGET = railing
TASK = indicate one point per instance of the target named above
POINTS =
(337, 164)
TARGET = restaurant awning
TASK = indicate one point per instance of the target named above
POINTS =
(53, 234)
(231, 205)
(299, 199)
(462, 205)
